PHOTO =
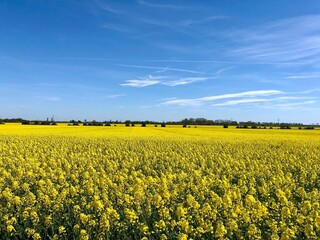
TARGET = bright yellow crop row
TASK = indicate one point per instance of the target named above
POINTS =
(68, 182)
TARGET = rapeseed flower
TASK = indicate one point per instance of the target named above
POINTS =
(161, 183)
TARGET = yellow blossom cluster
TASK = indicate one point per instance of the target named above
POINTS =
(158, 183)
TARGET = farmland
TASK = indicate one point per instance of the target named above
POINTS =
(77, 182)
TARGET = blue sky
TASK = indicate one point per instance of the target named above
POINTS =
(160, 60)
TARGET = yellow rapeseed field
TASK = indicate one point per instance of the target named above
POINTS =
(76, 182)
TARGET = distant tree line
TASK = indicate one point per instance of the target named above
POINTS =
(199, 121)
(12, 120)
(27, 122)
(184, 122)
(38, 123)
(204, 121)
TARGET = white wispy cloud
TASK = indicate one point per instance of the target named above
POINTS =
(200, 101)
(116, 95)
(306, 76)
(143, 81)
(309, 91)
(162, 80)
(140, 82)
(160, 69)
(223, 70)
(105, 6)
(226, 62)
(189, 22)
(86, 58)
(292, 39)
(257, 100)
(241, 101)
(156, 5)
(184, 81)
(296, 104)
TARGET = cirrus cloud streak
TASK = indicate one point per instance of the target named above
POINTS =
(202, 100)
(162, 80)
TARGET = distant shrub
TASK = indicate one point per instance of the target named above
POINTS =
(309, 128)
(95, 123)
(285, 127)
(85, 124)
(270, 127)
(254, 127)
(54, 124)
(300, 127)
(240, 126)
(184, 126)
(132, 125)
(143, 125)
(163, 125)
(76, 124)
(108, 125)
(225, 125)
(127, 125)
(156, 125)
(25, 123)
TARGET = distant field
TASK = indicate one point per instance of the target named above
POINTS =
(85, 182)
(120, 130)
